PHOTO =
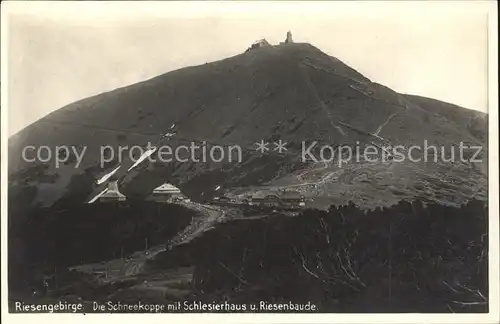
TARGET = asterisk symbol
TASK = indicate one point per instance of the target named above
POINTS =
(262, 146)
(280, 146)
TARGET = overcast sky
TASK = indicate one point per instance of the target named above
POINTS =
(62, 52)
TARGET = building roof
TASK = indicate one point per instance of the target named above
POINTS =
(166, 188)
(262, 42)
(112, 194)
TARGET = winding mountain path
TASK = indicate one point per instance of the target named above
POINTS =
(132, 265)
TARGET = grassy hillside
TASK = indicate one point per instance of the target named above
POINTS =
(292, 92)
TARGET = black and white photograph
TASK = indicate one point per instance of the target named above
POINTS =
(279, 161)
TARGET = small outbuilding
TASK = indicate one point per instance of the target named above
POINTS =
(292, 199)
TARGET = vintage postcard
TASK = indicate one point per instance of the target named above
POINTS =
(253, 162)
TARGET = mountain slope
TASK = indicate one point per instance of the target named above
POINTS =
(292, 92)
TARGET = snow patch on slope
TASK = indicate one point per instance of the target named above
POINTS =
(97, 196)
(105, 177)
(142, 158)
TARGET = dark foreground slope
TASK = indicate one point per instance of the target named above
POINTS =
(48, 241)
(292, 92)
(407, 258)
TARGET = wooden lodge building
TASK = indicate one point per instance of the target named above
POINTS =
(112, 194)
(165, 193)
(289, 199)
